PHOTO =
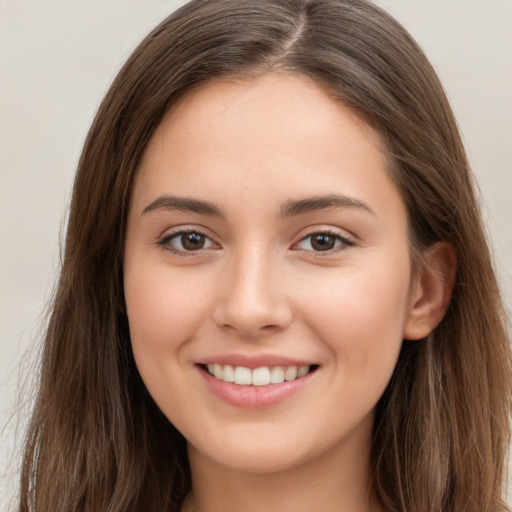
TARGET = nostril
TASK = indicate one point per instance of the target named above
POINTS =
(272, 327)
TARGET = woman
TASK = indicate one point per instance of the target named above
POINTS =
(276, 290)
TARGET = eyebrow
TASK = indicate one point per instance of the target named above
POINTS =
(302, 206)
(185, 204)
(289, 209)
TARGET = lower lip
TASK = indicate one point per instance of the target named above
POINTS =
(253, 397)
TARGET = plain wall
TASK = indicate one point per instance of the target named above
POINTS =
(57, 58)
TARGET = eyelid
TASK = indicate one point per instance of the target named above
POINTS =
(345, 239)
(163, 241)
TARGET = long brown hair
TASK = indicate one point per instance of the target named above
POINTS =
(97, 442)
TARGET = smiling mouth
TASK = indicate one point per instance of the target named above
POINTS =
(262, 376)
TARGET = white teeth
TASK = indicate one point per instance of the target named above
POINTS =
(217, 371)
(229, 374)
(262, 376)
(302, 370)
(277, 375)
(290, 373)
(243, 375)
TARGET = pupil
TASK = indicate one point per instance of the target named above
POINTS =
(192, 241)
(322, 242)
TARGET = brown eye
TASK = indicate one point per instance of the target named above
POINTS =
(192, 241)
(184, 242)
(323, 242)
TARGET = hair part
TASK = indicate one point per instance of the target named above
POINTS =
(97, 441)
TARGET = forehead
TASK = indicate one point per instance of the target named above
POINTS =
(276, 129)
(259, 102)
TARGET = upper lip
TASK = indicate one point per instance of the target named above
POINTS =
(254, 360)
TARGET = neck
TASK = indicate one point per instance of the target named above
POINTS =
(336, 480)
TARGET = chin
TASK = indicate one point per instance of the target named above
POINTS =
(256, 461)
(251, 454)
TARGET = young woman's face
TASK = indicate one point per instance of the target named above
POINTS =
(265, 242)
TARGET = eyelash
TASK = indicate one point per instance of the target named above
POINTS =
(344, 242)
(165, 242)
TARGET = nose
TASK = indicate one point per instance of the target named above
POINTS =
(252, 298)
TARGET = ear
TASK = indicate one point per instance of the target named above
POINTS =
(431, 291)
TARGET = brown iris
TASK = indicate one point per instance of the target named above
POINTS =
(192, 241)
(322, 242)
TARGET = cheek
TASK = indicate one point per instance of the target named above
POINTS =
(162, 312)
(361, 318)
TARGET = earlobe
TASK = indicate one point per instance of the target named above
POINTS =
(431, 291)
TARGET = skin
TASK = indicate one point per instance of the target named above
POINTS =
(259, 286)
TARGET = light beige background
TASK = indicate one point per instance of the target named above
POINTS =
(57, 57)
